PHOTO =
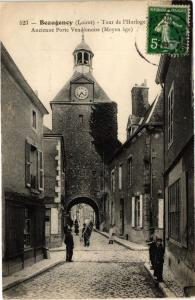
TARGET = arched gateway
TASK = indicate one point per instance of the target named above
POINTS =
(85, 200)
(73, 116)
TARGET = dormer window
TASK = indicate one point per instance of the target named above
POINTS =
(34, 119)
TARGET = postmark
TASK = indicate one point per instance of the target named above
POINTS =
(168, 30)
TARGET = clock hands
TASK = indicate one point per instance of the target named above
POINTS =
(81, 92)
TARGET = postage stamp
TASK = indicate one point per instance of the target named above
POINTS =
(168, 30)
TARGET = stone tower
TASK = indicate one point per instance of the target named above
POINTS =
(71, 114)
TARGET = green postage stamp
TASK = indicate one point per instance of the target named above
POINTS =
(168, 30)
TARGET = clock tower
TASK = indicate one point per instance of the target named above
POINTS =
(72, 110)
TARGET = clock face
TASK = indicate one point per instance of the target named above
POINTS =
(81, 92)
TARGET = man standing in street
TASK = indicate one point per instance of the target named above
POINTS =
(159, 260)
(69, 245)
(152, 251)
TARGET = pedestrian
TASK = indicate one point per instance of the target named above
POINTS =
(69, 245)
(111, 234)
(152, 251)
(66, 229)
(76, 227)
(84, 235)
(88, 232)
(159, 260)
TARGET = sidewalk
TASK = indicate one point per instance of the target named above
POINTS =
(34, 270)
(170, 288)
(125, 243)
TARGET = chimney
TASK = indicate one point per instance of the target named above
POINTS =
(139, 95)
(36, 93)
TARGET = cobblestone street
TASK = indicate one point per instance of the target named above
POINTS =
(100, 271)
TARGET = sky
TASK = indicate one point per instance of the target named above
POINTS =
(45, 58)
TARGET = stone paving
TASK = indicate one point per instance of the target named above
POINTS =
(98, 271)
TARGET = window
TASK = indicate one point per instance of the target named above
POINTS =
(170, 115)
(160, 213)
(34, 119)
(86, 58)
(41, 171)
(79, 58)
(174, 210)
(137, 211)
(113, 180)
(34, 167)
(120, 177)
(34, 172)
(27, 228)
(80, 119)
(130, 171)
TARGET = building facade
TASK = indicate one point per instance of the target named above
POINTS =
(175, 74)
(136, 172)
(54, 183)
(74, 111)
(22, 169)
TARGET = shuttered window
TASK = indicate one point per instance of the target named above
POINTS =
(40, 171)
(120, 177)
(113, 180)
(160, 213)
(34, 172)
(133, 212)
(130, 171)
(170, 115)
(184, 229)
(27, 164)
(141, 211)
(137, 211)
(174, 196)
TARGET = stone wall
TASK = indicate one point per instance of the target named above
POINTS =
(16, 122)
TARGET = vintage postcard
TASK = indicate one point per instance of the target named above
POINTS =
(97, 149)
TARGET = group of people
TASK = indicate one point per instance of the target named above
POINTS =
(156, 254)
(69, 241)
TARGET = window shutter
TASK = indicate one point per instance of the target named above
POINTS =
(183, 203)
(166, 213)
(40, 171)
(141, 210)
(160, 213)
(27, 164)
(133, 212)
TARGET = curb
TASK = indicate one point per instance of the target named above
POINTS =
(121, 243)
(25, 278)
(162, 286)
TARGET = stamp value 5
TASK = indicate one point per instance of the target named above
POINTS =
(168, 30)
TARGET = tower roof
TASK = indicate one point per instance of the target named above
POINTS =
(83, 46)
(64, 93)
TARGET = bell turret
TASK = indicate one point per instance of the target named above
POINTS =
(83, 57)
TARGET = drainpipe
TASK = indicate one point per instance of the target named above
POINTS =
(164, 212)
(151, 182)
